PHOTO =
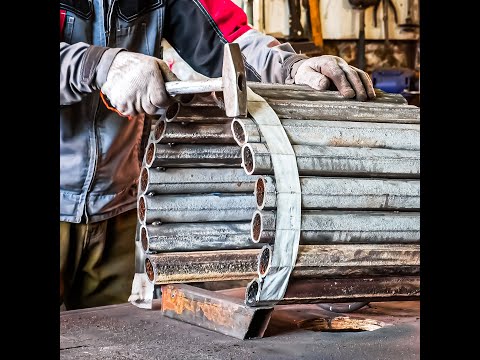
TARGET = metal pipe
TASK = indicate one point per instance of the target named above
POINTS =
(345, 193)
(198, 266)
(197, 237)
(336, 227)
(338, 290)
(183, 155)
(337, 161)
(194, 180)
(306, 93)
(345, 111)
(201, 111)
(192, 133)
(313, 261)
(335, 133)
(195, 208)
(291, 108)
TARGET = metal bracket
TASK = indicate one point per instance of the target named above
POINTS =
(214, 311)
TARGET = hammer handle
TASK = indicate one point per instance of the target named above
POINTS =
(194, 86)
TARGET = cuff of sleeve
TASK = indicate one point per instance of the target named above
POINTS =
(293, 63)
(103, 65)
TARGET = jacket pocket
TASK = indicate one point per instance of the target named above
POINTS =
(77, 19)
(130, 10)
(138, 27)
(82, 8)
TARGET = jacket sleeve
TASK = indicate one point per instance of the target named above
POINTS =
(81, 70)
(198, 30)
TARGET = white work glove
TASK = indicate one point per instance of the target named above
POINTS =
(135, 85)
(317, 72)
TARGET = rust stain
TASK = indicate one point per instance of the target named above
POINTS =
(175, 301)
(336, 141)
(340, 323)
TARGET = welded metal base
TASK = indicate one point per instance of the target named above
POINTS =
(214, 311)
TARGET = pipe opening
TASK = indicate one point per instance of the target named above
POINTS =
(143, 179)
(248, 159)
(238, 132)
(186, 99)
(172, 111)
(159, 130)
(142, 208)
(149, 270)
(256, 227)
(264, 261)
(144, 238)
(150, 154)
(252, 291)
(260, 192)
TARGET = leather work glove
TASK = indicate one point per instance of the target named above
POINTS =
(135, 85)
(317, 72)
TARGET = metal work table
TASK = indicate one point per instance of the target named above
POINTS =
(391, 330)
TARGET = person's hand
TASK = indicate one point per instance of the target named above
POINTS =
(135, 85)
(317, 72)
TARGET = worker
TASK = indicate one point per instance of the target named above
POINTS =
(110, 79)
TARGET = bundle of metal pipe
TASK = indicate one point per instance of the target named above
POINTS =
(207, 202)
(193, 194)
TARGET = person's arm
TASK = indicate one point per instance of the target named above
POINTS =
(198, 30)
(79, 69)
(132, 83)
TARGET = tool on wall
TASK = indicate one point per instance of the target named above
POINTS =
(409, 25)
(386, 4)
(316, 22)
(295, 28)
(361, 5)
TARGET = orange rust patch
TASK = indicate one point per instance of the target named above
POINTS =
(356, 142)
(175, 300)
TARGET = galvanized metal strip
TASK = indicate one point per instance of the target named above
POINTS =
(287, 233)
(142, 289)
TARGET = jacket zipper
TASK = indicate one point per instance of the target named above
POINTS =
(109, 21)
(94, 122)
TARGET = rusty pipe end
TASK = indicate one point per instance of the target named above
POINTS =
(251, 292)
(149, 270)
(141, 209)
(143, 182)
(159, 130)
(256, 227)
(172, 112)
(260, 192)
(248, 161)
(144, 238)
(264, 261)
(238, 132)
(150, 154)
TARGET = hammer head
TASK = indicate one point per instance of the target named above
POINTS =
(234, 81)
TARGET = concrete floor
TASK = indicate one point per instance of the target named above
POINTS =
(127, 332)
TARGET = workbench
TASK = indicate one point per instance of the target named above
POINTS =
(381, 330)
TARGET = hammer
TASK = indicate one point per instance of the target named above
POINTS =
(232, 83)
